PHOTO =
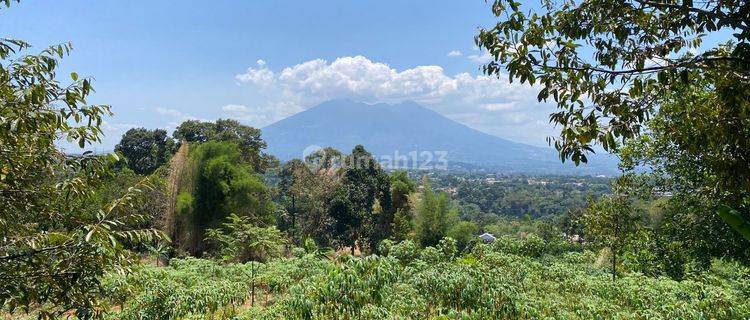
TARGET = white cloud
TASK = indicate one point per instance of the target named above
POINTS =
(172, 113)
(117, 127)
(499, 106)
(361, 78)
(234, 108)
(260, 116)
(176, 117)
(490, 104)
(257, 76)
(260, 76)
(454, 53)
(483, 57)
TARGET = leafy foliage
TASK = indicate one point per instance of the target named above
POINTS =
(611, 222)
(607, 63)
(223, 185)
(145, 150)
(696, 153)
(248, 139)
(363, 183)
(241, 241)
(55, 246)
(435, 216)
(517, 196)
(433, 283)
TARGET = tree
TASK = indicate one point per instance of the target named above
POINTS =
(401, 188)
(611, 222)
(325, 159)
(435, 215)
(195, 131)
(247, 138)
(293, 185)
(240, 240)
(54, 247)
(347, 221)
(696, 152)
(363, 183)
(145, 150)
(222, 184)
(607, 63)
(463, 232)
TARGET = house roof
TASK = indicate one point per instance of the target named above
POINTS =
(487, 237)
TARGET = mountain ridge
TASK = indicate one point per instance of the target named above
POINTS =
(390, 130)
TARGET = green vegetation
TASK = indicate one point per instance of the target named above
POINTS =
(218, 229)
(217, 182)
(607, 64)
(239, 240)
(246, 138)
(501, 281)
(634, 74)
(435, 216)
(487, 197)
(58, 237)
(145, 150)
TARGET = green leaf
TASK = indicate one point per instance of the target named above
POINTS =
(89, 234)
(734, 219)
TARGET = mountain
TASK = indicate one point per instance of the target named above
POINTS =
(411, 132)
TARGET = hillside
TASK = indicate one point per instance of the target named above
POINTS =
(407, 127)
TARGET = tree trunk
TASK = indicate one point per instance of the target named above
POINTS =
(614, 265)
(252, 292)
(294, 218)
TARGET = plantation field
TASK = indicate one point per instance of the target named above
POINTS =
(506, 280)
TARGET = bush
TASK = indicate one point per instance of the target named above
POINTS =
(487, 284)
(240, 241)
(405, 252)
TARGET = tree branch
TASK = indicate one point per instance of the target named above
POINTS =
(696, 60)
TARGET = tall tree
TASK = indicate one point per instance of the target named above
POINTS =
(346, 221)
(195, 131)
(697, 151)
(325, 160)
(401, 188)
(54, 247)
(363, 183)
(606, 63)
(609, 65)
(223, 184)
(145, 150)
(293, 185)
(611, 222)
(247, 138)
(434, 217)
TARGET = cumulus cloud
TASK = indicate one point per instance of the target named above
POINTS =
(259, 75)
(490, 104)
(454, 53)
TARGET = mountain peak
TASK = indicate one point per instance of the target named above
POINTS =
(409, 129)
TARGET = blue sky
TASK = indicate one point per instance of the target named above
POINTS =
(161, 62)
